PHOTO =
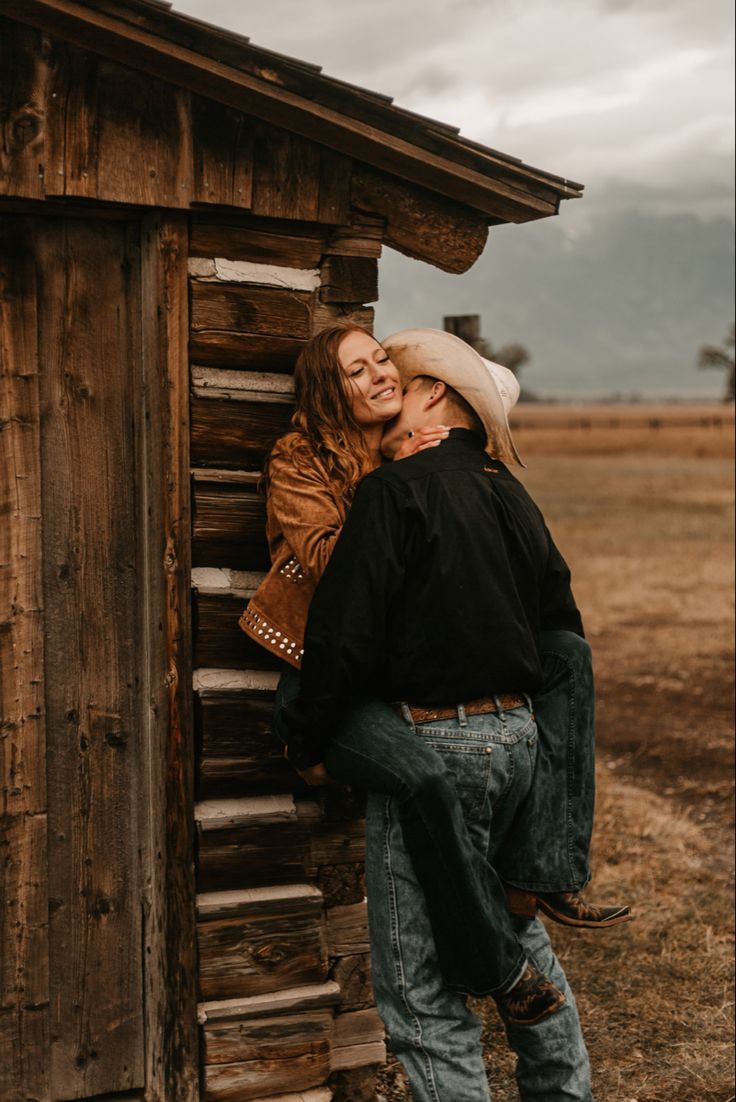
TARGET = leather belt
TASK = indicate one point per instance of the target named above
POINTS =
(507, 702)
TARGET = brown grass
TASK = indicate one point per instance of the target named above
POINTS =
(644, 516)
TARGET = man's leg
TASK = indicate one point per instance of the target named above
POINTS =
(552, 1060)
(430, 1029)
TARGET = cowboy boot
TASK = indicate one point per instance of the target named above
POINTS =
(567, 908)
(531, 999)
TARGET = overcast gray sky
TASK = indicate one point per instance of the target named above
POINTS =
(634, 98)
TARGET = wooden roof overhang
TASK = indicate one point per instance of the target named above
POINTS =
(491, 187)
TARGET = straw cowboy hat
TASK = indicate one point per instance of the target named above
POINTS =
(491, 389)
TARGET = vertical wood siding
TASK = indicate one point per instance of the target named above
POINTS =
(89, 346)
(24, 978)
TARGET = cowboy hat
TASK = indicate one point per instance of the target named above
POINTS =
(491, 389)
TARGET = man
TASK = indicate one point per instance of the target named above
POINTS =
(436, 595)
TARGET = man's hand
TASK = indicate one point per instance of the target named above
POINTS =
(315, 775)
(421, 439)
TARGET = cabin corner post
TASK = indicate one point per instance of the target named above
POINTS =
(24, 956)
(172, 1047)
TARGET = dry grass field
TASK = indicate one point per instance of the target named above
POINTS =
(640, 501)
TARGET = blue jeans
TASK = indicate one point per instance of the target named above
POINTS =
(431, 1029)
(547, 849)
(477, 945)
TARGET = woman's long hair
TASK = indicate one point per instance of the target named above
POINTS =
(323, 421)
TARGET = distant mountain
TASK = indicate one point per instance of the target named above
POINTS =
(622, 307)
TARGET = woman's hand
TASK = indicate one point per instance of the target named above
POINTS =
(421, 439)
(315, 775)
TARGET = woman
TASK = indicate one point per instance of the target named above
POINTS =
(347, 390)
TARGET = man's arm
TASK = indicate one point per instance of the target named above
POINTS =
(345, 640)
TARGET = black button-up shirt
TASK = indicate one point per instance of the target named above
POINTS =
(436, 592)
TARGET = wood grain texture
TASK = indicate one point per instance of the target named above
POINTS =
(222, 151)
(248, 309)
(353, 975)
(24, 77)
(238, 749)
(92, 598)
(228, 527)
(419, 224)
(229, 348)
(261, 240)
(24, 957)
(236, 434)
(167, 797)
(251, 856)
(349, 279)
(220, 642)
(273, 945)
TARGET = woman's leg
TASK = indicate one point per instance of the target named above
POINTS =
(548, 848)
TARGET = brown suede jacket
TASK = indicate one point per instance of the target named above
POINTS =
(304, 514)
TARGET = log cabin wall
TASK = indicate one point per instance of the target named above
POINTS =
(282, 927)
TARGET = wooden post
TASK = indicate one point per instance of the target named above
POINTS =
(167, 801)
(24, 959)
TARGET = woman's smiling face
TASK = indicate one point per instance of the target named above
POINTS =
(372, 380)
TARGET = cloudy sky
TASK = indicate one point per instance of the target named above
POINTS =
(634, 98)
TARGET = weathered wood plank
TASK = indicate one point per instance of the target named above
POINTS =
(279, 943)
(238, 749)
(330, 313)
(166, 799)
(283, 898)
(222, 149)
(218, 639)
(363, 236)
(268, 1041)
(227, 348)
(353, 976)
(286, 176)
(335, 175)
(24, 960)
(265, 241)
(241, 1082)
(287, 1000)
(347, 930)
(349, 279)
(24, 77)
(92, 596)
(252, 856)
(229, 527)
(246, 386)
(236, 433)
(245, 309)
(357, 1040)
(117, 134)
(419, 224)
(338, 843)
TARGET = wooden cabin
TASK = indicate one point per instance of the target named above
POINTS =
(180, 211)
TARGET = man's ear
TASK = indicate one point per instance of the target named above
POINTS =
(436, 394)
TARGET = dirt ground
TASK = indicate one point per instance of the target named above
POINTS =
(640, 502)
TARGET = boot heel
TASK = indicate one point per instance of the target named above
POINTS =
(521, 903)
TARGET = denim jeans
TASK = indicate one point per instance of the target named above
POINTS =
(547, 849)
(477, 946)
(431, 1029)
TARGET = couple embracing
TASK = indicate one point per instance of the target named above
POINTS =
(434, 655)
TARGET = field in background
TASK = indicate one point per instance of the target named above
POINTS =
(643, 512)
